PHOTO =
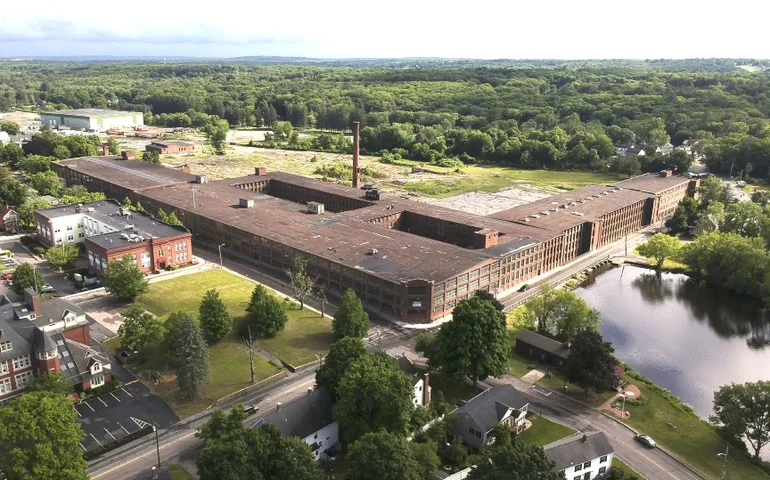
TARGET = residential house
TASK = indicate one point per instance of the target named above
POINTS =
(9, 219)
(309, 418)
(582, 456)
(666, 149)
(47, 336)
(421, 389)
(634, 152)
(5, 139)
(501, 404)
(542, 349)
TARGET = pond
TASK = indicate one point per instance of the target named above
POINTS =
(686, 336)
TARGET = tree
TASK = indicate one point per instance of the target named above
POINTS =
(216, 323)
(232, 452)
(283, 130)
(139, 328)
(26, 276)
(62, 255)
(80, 146)
(373, 394)
(628, 165)
(151, 157)
(591, 363)
(46, 183)
(113, 146)
(60, 152)
(41, 438)
(384, 456)
(713, 190)
(190, 358)
(710, 219)
(522, 461)
(250, 345)
(350, 320)
(475, 344)
(342, 353)
(301, 283)
(684, 217)
(426, 455)
(660, 247)
(265, 314)
(11, 128)
(53, 382)
(11, 155)
(13, 193)
(172, 219)
(162, 216)
(560, 313)
(744, 411)
(124, 280)
(27, 209)
(126, 203)
(761, 197)
(320, 294)
(35, 164)
(744, 218)
(217, 131)
(485, 295)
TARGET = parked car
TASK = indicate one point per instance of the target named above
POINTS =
(646, 440)
(47, 289)
(6, 253)
(8, 276)
(740, 183)
(524, 287)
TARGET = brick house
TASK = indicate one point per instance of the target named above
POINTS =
(9, 219)
(171, 147)
(542, 349)
(47, 336)
(110, 231)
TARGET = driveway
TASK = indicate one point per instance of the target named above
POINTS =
(55, 279)
(115, 415)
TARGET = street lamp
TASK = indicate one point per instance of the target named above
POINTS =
(220, 255)
(157, 443)
(623, 410)
(723, 456)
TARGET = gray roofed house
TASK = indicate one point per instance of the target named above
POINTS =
(541, 348)
(586, 455)
(18, 344)
(501, 404)
(83, 363)
(309, 418)
(42, 342)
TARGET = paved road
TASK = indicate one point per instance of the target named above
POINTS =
(650, 463)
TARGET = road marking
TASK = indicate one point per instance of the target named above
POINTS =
(89, 406)
(81, 446)
(126, 392)
(646, 457)
(116, 398)
(97, 441)
(124, 428)
(105, 403)
(95, 340)
(108, 433)
(76, 411)
(139, 457)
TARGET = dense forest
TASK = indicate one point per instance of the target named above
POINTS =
(556, 118)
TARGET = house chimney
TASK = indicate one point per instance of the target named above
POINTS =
(584, 439)
(426, 389)
(260, 171)
(278, 406)
(105, 149)
(32, 299)
(128, 155)
(356, 132)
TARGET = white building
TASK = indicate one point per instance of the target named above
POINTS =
(73, 223)
(421, 388)
(5, 139)
(92, 119)
(582, 456)
(309, 418)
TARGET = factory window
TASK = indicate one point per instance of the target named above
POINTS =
(462, 289)
(463, 278)
(450, 294)
(439, 287)
(496, 265)
(485, 269)
(438, 299)
(474, 274)
(473, 284)
(484, 280)
(451, 283)
(21, 362)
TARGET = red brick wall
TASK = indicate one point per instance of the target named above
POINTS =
(79, 334)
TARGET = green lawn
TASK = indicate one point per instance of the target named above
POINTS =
(495, 178)
(453, 391)
(178, 472)
(543, 431)
(519, 366)
(626, 471)
(692, 439)
(555, 381)
(306, 332)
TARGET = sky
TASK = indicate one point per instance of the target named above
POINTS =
(563, 29)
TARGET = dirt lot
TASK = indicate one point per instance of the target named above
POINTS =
(484, 203)
(22, 118)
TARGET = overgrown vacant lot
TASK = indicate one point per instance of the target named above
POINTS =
(306, 334)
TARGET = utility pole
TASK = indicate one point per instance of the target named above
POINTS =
(157, 443)
(626, 245)
(731, 169)
(724, 462)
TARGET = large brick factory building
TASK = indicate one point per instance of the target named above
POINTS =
(405, 259)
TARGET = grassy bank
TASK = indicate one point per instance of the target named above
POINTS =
(543, 431)
(178, 472)
(624, 469)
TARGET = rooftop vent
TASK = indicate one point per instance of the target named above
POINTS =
(525, 220)
(129, 227)
(545, 212)
(90, 209)
(200, 179)
(372, 251)
(246, 202)
(578, 214)
(315, 207)
(373, 194)
(534, 215)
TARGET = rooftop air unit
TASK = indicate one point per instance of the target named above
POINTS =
(200, 179)
(578, 214)
(315, 207)
(372, 251)
(246, 202)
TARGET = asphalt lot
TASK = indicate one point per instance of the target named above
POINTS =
(56, 280)
(124, 411)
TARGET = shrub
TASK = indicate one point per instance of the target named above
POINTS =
(448, 163)
(39, 251)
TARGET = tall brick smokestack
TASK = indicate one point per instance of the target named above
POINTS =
(356, 132)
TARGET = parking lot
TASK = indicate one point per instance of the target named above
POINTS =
(113, 416)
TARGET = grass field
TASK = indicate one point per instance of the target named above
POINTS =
(692, 439)
(543, 431)
(555, 381)
(453, 391)
(626, 471)
(178, 472)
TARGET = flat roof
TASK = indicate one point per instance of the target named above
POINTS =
(131, 174)
(654, 183)
(563, 211)
(165, 143)
(90, 112)
(108, 212)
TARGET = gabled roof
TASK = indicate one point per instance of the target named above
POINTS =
(81, 357)
(578, 448)
(19, 345)
(543, 343)
(490, 407)
(304, 416)
(42, 342)
(5, 210)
